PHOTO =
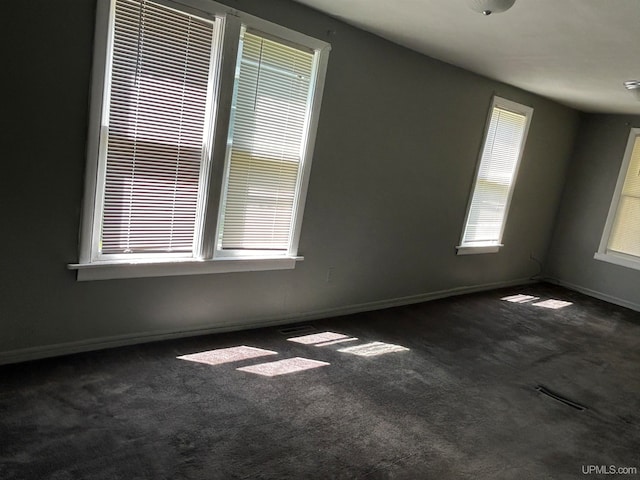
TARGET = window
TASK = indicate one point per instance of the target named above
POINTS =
(620, 242)
(269, 113)
(504, 141)
(200, 143)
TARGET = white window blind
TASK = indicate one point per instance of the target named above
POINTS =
(201, 135)
(495, 178)
(157, 125)
(268, 134)
(625, 232)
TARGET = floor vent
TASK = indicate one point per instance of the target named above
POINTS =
(297, 330)
(560, 398)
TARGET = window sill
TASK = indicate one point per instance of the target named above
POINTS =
(619, 259)
(476, 249)
(137, 269)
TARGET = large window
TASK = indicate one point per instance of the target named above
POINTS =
(500, 156)
(202, 131)
(621, 238)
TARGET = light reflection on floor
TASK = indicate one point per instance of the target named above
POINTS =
(333, 342)
(550, 303)
(520, 298)
(227, 355)
(222, 356)
(283, 367)
(322, 339)
(316, 338)
(373, 349)
(554, 304)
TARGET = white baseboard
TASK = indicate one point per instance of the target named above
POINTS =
(593, 293)
(54, 350)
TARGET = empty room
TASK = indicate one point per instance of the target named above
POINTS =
(277, 239)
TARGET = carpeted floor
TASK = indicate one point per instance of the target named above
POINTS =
(450, 389)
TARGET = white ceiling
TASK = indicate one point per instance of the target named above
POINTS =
(578, 52)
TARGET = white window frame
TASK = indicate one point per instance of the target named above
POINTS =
(603, 253)
(494, 247)
(206, 259)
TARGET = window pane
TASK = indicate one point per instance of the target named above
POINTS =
(625, 234)
(268, 132)
(493, 186)
(157, 119)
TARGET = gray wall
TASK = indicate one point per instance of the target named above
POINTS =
(396, 151)
(592, 178)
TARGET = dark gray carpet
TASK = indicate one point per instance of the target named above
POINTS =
(460, 403)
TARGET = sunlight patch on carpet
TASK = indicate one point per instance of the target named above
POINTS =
(322, 339)
(373, 349)
(227, 355)
(283, 367)
(520, 298)
(333, 342)
(316, 338)
(554, 304)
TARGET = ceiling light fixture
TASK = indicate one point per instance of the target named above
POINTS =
(634, 87)
(487, 7)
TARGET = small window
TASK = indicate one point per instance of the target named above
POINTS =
(200, 142)
(500, 156)
(620, 242)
